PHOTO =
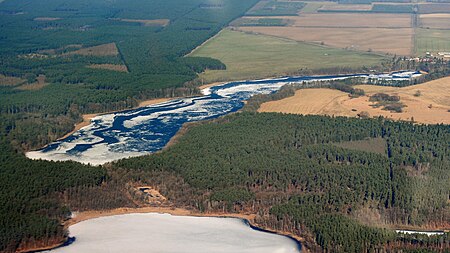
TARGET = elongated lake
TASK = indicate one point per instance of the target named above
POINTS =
(164, 233)
(148, 129)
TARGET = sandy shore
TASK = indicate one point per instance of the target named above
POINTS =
(88, 117)
(210, 85)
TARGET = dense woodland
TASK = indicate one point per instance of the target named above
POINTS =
(32, 193)
(290, 170)
(152, 54)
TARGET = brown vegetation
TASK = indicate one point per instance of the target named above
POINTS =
(148, 22)
(10, 80)
(113, 67)
(58, 50)
(386, 40)
(322, 101)
(109, 49)
(86, 121)
(39, 84)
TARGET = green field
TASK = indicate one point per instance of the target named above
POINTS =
(276, 8)
(260, 22)
(312, 7)
(432, 40)
(250, 56)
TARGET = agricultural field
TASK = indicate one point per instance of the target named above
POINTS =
(61, 41)
(425, 103)
(313, 6)
(432, 40)
(435, 21)
(260, 21)
(425, 8)
(385, 27)
(351, 20)
(275, 8)
(250, 56)
(335, 7)
(382, 40)
(393, 8)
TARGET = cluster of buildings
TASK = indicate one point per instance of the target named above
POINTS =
(445, 55)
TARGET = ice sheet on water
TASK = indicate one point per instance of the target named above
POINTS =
(148, 129)
(163, 233)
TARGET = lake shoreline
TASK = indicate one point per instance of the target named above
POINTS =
(249, 218)
(88, 117)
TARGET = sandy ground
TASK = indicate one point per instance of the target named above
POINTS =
(385, 40)
(333, 102)
(82, 216)
(88, 117)
(86, 121)
(210, 85)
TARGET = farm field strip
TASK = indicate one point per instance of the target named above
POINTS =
(352, 20)
(383, 40)
(435, 21)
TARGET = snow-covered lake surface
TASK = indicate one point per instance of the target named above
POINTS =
(148, 129)
(164, 233)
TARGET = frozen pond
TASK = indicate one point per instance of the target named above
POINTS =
(148, 129)
(164, 233)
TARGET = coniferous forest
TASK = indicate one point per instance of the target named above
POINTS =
(301, 174)
(293, 172)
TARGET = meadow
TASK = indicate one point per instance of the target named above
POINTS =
(432, 40)
(250, 56)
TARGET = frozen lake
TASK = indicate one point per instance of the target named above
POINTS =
(164, 233)
(148, 129)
